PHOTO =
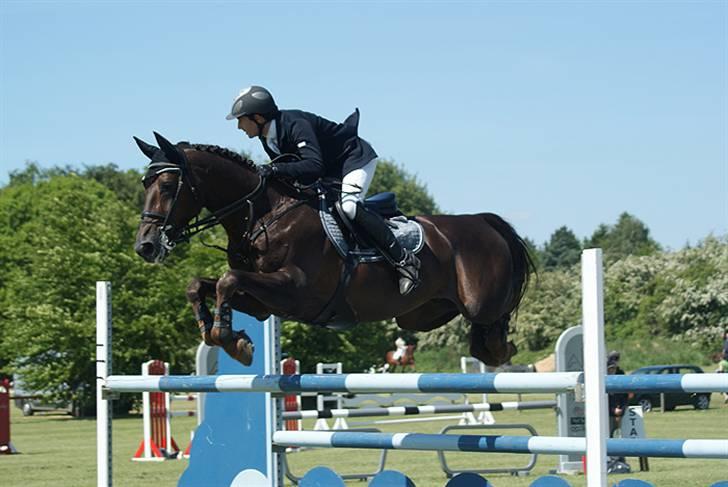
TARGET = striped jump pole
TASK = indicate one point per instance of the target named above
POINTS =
(352, 383)
(417, 410)
(717, 449)
(426, 383)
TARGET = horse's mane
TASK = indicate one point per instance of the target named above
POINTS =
(222, 152)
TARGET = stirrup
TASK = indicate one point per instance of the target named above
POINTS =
(409, 273)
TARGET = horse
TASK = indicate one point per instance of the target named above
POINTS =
(282, 263)
(407, 359)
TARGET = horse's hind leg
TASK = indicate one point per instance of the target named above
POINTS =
(197, 291)
(489, 343)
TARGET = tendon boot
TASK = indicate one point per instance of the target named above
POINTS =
(236, 343)
(204, 321)
(405, 262)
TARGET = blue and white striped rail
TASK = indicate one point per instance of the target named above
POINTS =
(414, 410)
(667, 383)
(503, 444)
(355, 383)
(427, 383)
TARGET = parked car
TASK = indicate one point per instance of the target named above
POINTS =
(651, 400)
(30, 402)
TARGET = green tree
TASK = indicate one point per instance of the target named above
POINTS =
(562, 251)
(126, 185)
(628, 237)
(412, 195)
(57, 237)
(536, 253)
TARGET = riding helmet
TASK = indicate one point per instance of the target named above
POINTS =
(253, 100)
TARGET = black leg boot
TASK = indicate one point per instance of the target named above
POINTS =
(406, 263)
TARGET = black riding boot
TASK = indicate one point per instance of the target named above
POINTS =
(406, 263)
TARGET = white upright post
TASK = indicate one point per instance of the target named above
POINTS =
(594, 367)
(103, 369)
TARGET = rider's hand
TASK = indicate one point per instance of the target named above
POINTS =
(267, 170)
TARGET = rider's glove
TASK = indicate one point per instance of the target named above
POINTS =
(267, 170)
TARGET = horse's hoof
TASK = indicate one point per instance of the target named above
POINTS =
(240, 348)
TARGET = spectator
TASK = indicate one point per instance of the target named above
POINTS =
(613, 358)
(617, 406)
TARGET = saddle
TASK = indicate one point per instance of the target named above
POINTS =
(354, 248)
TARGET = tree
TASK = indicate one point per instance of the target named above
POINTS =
(57, 237)
(412, 196)
(562, 251)
(628, 237)
(126, 185)
(535, 253)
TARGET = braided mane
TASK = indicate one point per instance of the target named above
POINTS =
(222, 152)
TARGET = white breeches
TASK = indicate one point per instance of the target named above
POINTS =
(355, 185)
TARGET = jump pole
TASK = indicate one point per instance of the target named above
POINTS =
(416, 410)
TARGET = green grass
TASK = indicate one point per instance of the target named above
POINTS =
(59, 451)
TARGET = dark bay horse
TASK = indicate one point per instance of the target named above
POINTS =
(281, 262)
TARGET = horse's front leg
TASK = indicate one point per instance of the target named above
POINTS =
(273, 290)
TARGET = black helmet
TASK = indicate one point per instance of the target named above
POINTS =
(253, 100)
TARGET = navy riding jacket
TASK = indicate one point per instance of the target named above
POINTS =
(326, 148)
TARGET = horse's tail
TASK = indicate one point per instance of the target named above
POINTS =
(523, 264)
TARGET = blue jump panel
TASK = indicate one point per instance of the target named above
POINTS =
(229, 439)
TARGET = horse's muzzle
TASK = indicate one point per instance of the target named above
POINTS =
(148, 244)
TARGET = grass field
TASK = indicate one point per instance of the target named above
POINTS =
(59, 451)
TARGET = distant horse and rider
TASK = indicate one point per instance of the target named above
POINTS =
(402, 358)
(284, 260)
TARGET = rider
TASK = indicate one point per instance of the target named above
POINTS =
(326, 149)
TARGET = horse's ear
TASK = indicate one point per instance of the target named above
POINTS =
(174, 155)
(147, 149)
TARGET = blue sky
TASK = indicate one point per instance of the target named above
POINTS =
(547, 113)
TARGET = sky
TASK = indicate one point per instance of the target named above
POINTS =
(548, 113)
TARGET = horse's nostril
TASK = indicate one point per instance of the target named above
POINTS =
(145, 250)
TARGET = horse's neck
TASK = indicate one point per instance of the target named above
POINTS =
(227, 183)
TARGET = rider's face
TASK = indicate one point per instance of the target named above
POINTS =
(248, 126)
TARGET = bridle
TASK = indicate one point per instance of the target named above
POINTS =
(169, 236)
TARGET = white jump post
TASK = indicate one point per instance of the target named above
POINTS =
(103, 369)
(594, 367)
